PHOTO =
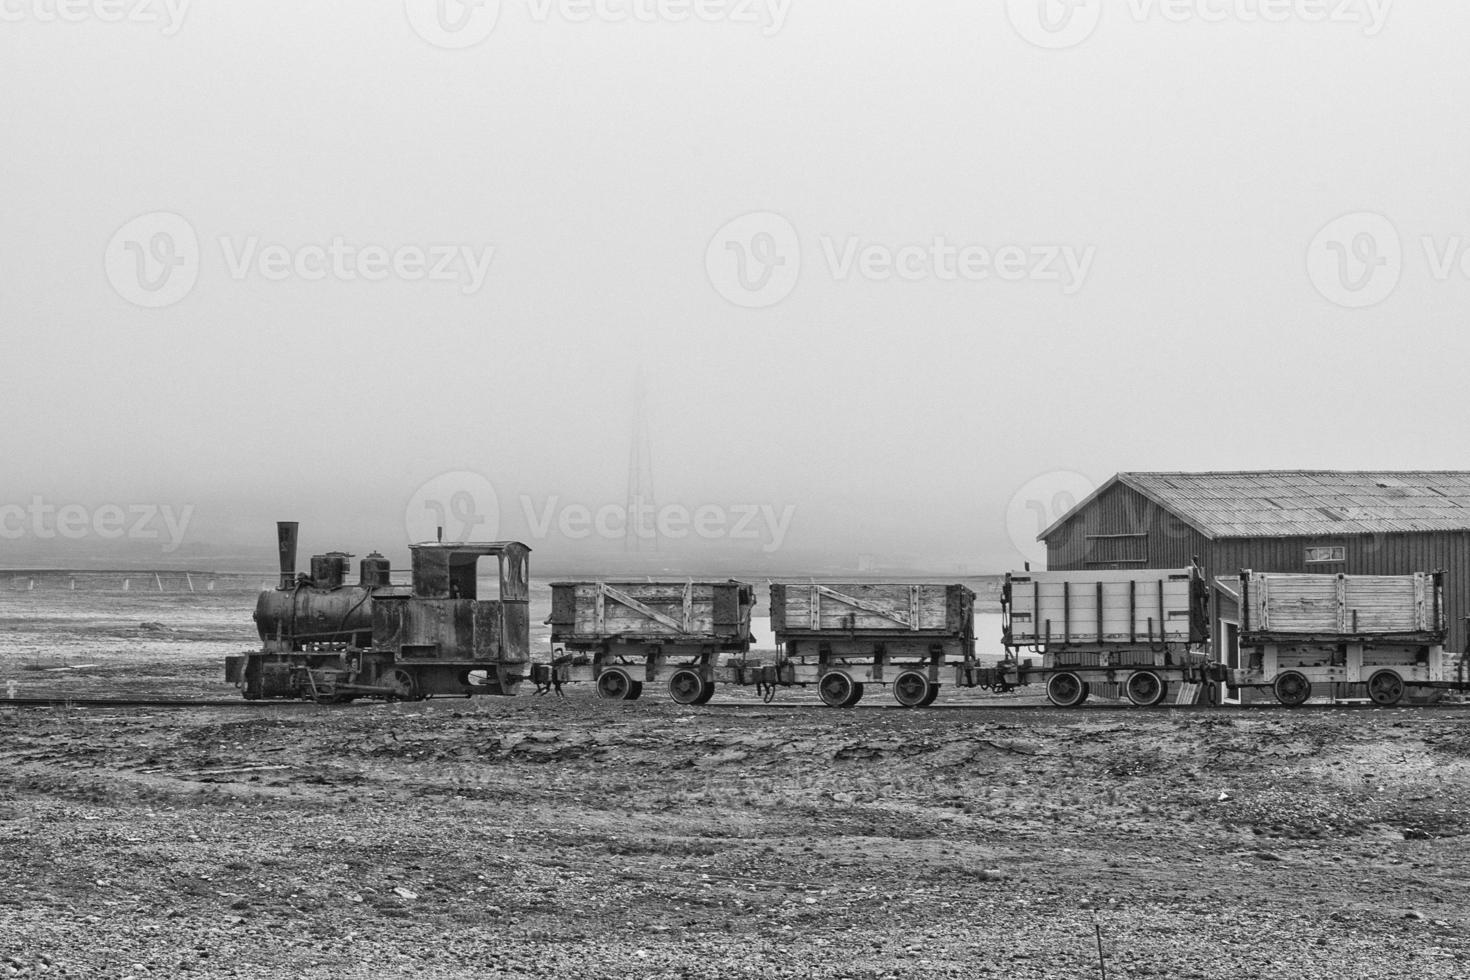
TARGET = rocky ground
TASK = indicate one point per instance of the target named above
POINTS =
(576, 838)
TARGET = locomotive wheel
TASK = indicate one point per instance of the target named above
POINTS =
(616, 685)
(839, 691)
(1147, 689)
(1292, 688)
(929, 698)
(1386, 688)
(403, 685)
(687, 687)
(911, 688)
(1066, 690)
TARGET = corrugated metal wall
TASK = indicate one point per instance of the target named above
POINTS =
(1090, 540)
(1367, 554)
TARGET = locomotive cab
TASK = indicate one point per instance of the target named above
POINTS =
(443, 637)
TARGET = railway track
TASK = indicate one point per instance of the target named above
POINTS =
(63, 701)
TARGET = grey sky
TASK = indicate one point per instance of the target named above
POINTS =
(1192, 163)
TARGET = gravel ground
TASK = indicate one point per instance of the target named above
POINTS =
(583, 839)
(576, 838)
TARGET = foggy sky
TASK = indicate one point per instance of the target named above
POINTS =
(1194, 161)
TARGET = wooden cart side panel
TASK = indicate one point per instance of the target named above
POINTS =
(650, 610)
(1102, 607)
(871, 607)
(1342, 604)
(1388, 604)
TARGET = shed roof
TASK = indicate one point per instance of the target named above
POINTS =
(1303, 503)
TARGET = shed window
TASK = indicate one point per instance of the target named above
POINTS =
(1321, 555)
(1117, 549)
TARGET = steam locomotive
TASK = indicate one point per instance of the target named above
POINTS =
(325, 639)
(1134, 634)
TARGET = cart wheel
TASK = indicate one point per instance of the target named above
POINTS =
(404, 688)
(837, 690)
(687, 687)
(1386, 688)
(1066, 690)
(635, 691)
(911, 688)
(1146, 689)
(709, 692)
(1292, 688)
(616, 685)
(856, 696)
(930, 697)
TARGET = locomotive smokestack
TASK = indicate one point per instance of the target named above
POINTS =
(286, 533)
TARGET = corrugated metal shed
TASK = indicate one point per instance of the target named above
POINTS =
(1304, 503)
(1356, 523)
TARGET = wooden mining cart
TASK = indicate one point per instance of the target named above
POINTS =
(622, 635)
(1301, 634)
(1136, 633)
(844, 637)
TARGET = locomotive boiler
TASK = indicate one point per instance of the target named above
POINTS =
(319, 611)
(326, 639)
